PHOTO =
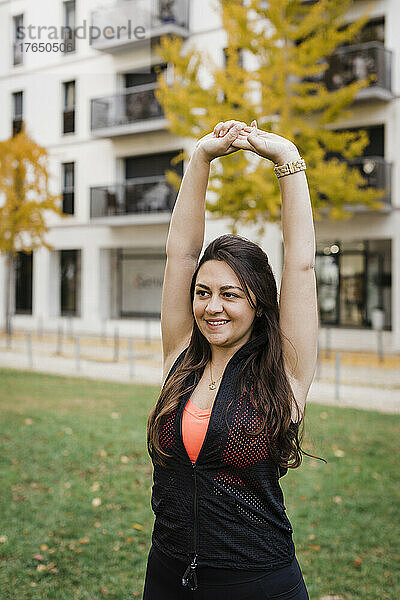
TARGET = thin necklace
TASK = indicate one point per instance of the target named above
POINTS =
(212, 386)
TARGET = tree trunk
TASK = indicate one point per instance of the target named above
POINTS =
(9, 272)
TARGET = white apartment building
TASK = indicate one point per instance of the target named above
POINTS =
(91, 103)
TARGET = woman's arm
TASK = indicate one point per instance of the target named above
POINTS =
(186, 228)
(298, 294)
(187, 225)
(184, 244)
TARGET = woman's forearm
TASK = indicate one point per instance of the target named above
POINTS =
(297, 219)
(187, 224)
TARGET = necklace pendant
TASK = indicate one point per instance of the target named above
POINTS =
(211, 386)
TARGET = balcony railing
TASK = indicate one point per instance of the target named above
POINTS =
(112, 115)
(377, 173)
(136, 196)
(116, 28)
(353, 63)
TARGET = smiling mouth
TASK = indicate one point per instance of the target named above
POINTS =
(217, 324)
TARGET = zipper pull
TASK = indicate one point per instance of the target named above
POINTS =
(190, 577)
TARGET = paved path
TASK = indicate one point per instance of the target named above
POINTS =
(365, 382)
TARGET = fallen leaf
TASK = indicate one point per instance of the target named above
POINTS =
(315, 547)
(137, 526)
(337, 499)
(28, 422)
(38, 557)
(44, 547)
(357, 562)
(96, 501)
(84, 540)
(3, 539)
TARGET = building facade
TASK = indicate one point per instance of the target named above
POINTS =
(89, 99)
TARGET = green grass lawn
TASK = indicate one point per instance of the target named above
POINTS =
(75, 516)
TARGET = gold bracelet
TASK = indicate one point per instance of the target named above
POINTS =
(290, 167)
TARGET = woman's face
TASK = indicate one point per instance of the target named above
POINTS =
(211, 303)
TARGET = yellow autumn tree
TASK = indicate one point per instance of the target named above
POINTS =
(287, 41)
(24, 201)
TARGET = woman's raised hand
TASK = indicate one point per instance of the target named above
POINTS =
(231, 136)
(266, 144)
(220, 141)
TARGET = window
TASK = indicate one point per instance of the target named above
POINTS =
(143, 76)
(69, 26)
(18, 21)
(68, 191)
(23, 283)
(147, 189)
(69, 107)
(373, 31)
(353, 279)
(139, 279)
(17, 100)
(70, 271)
(372, 165)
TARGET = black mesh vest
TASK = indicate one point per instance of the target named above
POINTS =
(227, 509)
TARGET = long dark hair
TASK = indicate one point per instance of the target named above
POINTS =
(272, 394)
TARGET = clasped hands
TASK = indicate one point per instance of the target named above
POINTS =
(231, 136)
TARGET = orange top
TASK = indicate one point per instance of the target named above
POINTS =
(194, 428)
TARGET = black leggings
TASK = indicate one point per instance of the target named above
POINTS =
(164, 582)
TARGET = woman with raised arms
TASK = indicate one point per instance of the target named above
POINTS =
(238, 364)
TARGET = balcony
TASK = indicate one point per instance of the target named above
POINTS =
(131, 24)
(377, 173)
(357, 62)
(135, 110)
(139, 200)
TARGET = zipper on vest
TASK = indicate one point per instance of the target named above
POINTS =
(190, 576)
